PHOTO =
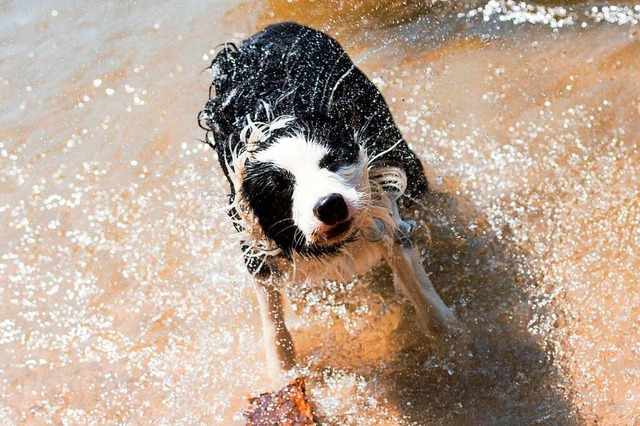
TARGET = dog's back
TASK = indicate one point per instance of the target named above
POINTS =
(302, 72)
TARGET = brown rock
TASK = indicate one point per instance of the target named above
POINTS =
(287, 407)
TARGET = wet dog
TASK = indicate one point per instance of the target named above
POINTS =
(319, 173)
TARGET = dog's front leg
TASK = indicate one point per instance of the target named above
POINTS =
(412, 280)
(277, 339)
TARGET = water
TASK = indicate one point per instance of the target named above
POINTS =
(124, 298)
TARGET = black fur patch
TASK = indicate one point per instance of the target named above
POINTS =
(269, 191)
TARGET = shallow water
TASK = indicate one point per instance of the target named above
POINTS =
(124, 298)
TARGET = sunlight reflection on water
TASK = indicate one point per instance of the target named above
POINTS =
(124, 298)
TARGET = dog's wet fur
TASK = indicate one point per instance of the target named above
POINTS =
(317, 169)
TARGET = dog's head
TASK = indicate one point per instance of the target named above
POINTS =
(305, 182)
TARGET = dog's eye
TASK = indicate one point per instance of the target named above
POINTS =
(336, 160)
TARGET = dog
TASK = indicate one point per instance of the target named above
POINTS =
(319, 174)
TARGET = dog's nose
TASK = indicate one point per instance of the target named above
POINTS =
(331, 209)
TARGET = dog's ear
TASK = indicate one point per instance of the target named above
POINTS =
(215, 117)
(224, 69)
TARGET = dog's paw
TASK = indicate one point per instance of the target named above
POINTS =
(455, 341)
(280, 374)
(447, 326)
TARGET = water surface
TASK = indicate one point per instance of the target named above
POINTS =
(124, 299)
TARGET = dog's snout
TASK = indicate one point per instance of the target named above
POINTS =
(331, 209)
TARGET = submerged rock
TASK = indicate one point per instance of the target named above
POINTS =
(287, 406)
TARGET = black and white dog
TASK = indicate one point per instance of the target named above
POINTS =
(318, 173)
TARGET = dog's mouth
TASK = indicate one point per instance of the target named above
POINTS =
(338, 230)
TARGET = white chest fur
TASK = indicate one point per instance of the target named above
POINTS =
(357, 259)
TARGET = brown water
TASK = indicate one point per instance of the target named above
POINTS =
(124, 299)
